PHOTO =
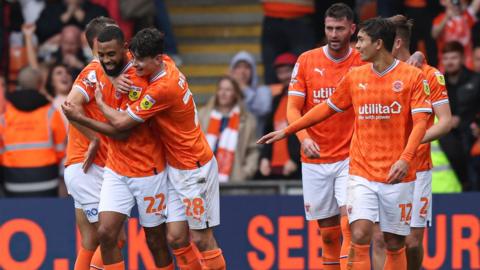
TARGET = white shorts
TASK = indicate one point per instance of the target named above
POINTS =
(324, 188)
(391, 205)
(85, 188)
(422, 200)
(175, 208)
(120, 193)
(199, 191)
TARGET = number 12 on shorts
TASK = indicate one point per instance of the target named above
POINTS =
(152, 202)
(406, 212)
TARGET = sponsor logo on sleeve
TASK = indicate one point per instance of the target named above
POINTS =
(147, 102)
(440, 78)
(426, 88)
(134, 93)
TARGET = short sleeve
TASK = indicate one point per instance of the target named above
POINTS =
(341, 99)
(298, 84)
(420, 96)
(59, 134)
(86, 83)
(438, 91)
(157, 98)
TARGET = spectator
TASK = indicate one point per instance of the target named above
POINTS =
(476, 59)
(58, 85)
(287, 27)
(464, 93)
(281, 160)
(230, 131)
(455, 24)
(163, 23)
(422, 12)
(257, 99)
(58, 14)
(70, 52)
(33, 140)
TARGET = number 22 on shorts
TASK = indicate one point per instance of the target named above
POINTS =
(152, 202)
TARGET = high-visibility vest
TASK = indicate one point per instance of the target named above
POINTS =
(444, 179)
(32, 147)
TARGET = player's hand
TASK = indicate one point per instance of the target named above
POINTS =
(397, 172)
(417, 59)
(90, 154)
(310, 148)
(28, 29)
(71, 111)
(272, 137)
(98, 95)
(265, 168)
(122, 83)
(289, 168)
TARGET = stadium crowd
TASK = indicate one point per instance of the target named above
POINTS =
(43, 49)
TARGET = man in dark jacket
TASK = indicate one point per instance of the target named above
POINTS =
(58, 14)
(280, 160)
(463, 86)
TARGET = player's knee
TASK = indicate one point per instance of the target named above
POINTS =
(361, 237)
(395, 243)
(156, 242)
(413, 242)
(177, 240)
(106, 236)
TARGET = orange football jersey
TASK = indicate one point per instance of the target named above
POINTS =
(383, 104)
(315, 78)
(169, 101)
(77, 145)
(141, 154)
(438, 96)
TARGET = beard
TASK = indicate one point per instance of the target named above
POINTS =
(113, 72)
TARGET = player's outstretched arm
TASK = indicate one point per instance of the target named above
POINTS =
(120, 120)
(442, 127)
(73, 113)
(400, 169)
(316, 115)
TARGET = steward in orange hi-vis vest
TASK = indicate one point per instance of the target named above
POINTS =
(32, 145)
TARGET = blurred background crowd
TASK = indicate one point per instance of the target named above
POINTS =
(238, 57)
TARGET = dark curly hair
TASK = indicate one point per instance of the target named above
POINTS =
(149, 42)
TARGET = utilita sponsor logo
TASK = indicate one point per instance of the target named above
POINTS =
(378, 111)
(322, 94)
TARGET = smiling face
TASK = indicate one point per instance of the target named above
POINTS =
(146, 66)
(112, 56)
(61, 80)
(338, 32)
(366, 47)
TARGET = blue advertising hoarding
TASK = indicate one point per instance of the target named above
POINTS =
(257, 232)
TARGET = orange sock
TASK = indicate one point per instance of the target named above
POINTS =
(359, 257)
(96, 262)
(186, 258)
(396, 260)
(168, 267)
(331, 247)
(213, 260)
(83, 259)
(346, 239)
(115, 266)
